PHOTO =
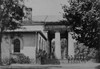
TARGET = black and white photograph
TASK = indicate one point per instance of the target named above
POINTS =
(49, 34)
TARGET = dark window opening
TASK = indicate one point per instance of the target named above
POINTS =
(16, 45)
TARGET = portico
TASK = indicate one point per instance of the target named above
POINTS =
(57, 31)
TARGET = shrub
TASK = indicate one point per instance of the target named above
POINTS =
(97, 57)
(6, 61)
(21, 58)
(42, 56)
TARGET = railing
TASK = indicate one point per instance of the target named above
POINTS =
(78, 59)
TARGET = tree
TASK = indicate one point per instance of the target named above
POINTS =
(82, 50)
(11, 13)
(83, 17)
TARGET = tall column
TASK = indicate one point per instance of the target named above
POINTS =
(70, 45)
(57, 45)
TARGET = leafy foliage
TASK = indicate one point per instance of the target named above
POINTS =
(82, 50)
(6, 61)
(83, 17)
(11, 14)
(63, 48)
(20, 58)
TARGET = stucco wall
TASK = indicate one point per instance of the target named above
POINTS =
(29, 39)
(29, 42)
(29, 45)
(5, 47)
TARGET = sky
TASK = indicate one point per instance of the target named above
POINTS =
(46, 7)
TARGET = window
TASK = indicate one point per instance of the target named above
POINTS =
(40, 43)
(16, 45)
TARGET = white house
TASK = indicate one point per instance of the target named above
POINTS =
(27, 40)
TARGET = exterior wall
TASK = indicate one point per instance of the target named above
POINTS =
(29, 39)
(5, 47)
(29, 45)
